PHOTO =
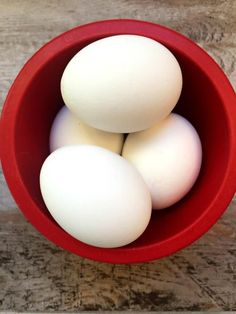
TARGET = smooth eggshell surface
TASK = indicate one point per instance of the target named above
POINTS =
(67, 129)
(168, 156)
(122, 83)
(95, 195)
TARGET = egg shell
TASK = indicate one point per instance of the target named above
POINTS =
(95, 195)
(122, 83)
(168, 156)
(67, 129)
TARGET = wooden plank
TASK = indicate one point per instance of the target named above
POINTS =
(37, 276)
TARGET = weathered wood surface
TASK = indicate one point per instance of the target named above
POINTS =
(37, 276)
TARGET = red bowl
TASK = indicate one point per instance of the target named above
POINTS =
(207, 100)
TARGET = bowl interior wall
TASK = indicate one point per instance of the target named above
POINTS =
(199, 102)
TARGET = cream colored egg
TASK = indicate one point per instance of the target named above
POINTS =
(122, 83)
(95, 195)
(168, 156)
(67, 129)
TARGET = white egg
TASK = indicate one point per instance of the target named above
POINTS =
(95, 195)
(122, 83)
(69, 130)
(169, 158)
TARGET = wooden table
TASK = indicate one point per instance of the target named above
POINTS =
(35, 275)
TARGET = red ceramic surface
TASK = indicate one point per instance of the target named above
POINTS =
(207, 100)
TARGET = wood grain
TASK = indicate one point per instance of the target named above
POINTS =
(35, 275)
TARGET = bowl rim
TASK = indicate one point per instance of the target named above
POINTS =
(22, 197)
